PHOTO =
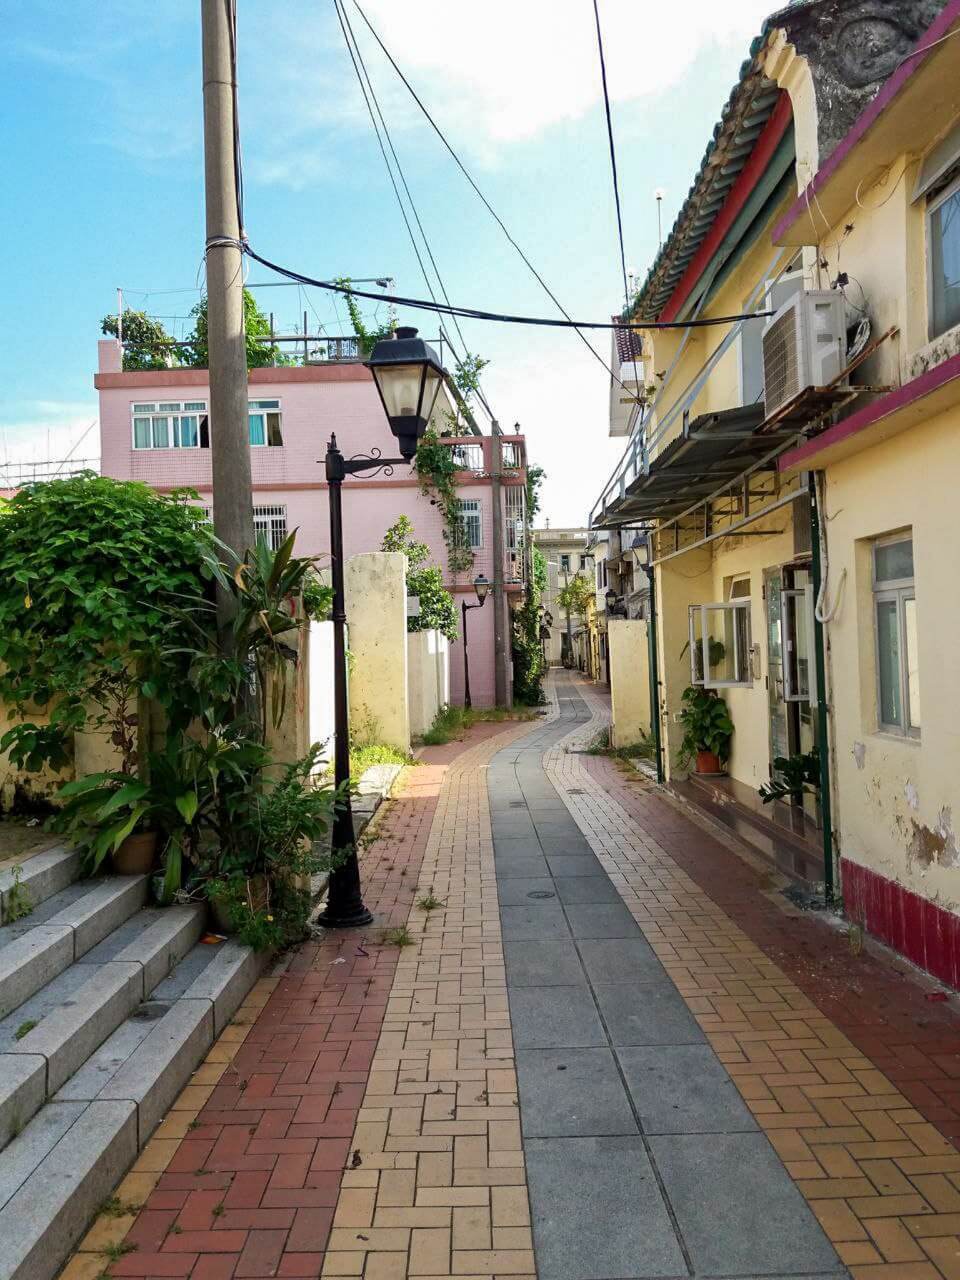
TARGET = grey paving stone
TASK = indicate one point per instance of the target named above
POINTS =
(554, 1018)
(516, 890)
(567, 1093)
(523, 866)
(537, 920)
(683, 1089)
(30, 1146)
(31, 961)
(738, 1210)
(225, 981)
(648, 1013)
(602, 920)
(572, 843)
(542, 964)
(23, 1085)
(574, 864)
(597, 1211)
(573, 890)
(513, 824)
(41, 876)
(620, 960)
(507, 847)
(556, 828)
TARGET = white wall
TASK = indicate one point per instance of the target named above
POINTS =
(428, 677)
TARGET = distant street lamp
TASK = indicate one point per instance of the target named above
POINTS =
(408, 375)
(481, 586)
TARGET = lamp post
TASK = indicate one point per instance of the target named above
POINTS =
(610, 600)
(481, 586)
(408, 375)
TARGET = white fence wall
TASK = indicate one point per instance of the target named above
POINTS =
(320, 705)
(428, 677)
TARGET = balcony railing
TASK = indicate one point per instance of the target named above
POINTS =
(15, 474)
(468, 457)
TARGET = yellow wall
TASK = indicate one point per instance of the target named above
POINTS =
(629, 681)
(899, 798)
(376, 602)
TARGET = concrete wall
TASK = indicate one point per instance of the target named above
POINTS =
(899, 797)
(428, 677)
(629, 681)
(376, 603)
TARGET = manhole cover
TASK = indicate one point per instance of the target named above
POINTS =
(542, 893)
(576, 791)
(518, 804)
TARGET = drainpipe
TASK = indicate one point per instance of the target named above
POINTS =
(823, 733)
(502, 696)
(654, 664)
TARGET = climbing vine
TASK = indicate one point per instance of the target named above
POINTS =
(529, 663)
(437, 472)
(425, 581)
(367, 339)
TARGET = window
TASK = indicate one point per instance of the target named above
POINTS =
(944, 265)
(171, 424)
(564, 564)
(270, 525)
(797, 644)
(720, 645)
(472, 527)
(264, 418)
(895, 621)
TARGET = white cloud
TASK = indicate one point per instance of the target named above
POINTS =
(48, 430)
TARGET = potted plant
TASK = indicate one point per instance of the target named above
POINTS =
(793, 777)
(707, 730)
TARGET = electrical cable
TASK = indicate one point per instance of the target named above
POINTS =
(356, 57)
(475, 313)
(613, 153)
(487, 205)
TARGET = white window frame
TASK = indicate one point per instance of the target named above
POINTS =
(796, 610)
(470, 508)
(271, 521)
(894, 591)
(933, 204)
(742, 661)
(266, 409)
(173, 412)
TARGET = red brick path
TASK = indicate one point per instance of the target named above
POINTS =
(251, 1189)
(881, 1006)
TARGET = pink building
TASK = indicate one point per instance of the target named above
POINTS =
(154, 427)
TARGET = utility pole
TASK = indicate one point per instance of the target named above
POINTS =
(502, 696)
(230, 432)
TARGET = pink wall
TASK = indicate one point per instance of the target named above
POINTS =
(340, 399)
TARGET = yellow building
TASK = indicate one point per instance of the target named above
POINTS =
(798, 470)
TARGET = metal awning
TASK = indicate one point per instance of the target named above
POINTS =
(713, 450)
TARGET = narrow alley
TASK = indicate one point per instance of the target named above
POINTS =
(612, 1050)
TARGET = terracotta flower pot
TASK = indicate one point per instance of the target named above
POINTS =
(136, 855)
(707, 762)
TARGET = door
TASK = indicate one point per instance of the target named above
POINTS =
(777, 707)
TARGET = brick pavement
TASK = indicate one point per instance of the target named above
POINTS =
(883, 1181)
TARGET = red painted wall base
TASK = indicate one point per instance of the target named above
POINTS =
(917, 928)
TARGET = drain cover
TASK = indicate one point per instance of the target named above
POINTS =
(542, 893)
(518, 804)
(576, 791)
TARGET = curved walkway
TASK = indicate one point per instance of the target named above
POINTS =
(684, 1108)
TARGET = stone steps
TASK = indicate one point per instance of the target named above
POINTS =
(126, 1001)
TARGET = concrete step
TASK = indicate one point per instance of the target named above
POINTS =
(41, 876)
(57, 1172)
(51, 1034)
(61, 929)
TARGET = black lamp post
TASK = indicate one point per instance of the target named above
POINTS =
(610, 599)
(408, 377)
(481, 586)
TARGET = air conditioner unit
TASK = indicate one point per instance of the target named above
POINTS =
(803, 346)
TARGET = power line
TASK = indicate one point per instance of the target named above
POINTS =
(613, 152)
(486, 203)
(475, 313)
(356, 57)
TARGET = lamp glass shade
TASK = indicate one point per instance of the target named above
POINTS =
(610, 598)
(408, 375)
(481, 585)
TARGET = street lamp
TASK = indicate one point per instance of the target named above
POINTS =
(481, 586)
(408, 375)
(611, 599)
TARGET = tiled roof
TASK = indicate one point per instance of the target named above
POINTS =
(741, 122)
(629, 343)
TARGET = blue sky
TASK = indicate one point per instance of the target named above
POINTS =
(103, 165)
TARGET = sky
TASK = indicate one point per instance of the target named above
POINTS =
(102, 156)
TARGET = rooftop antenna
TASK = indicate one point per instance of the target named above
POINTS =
(660, 193)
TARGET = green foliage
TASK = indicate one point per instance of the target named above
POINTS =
(528, 663)
(365, 756)
(448, 724)
(535, 479)
(429, 902)
(260, 353)
(438, 609)
(466, 379)
(644, 749)
(437, 472)
(793, 777)
(24, 1028)
(88, 568)
(575, 595)
(18, 904)
(367, 339)
(401, 937)
(317, 597)
(146, 343)
(706, 725)
(540, 578)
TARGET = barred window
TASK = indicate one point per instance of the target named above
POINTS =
(270, 525)
(470, 515)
